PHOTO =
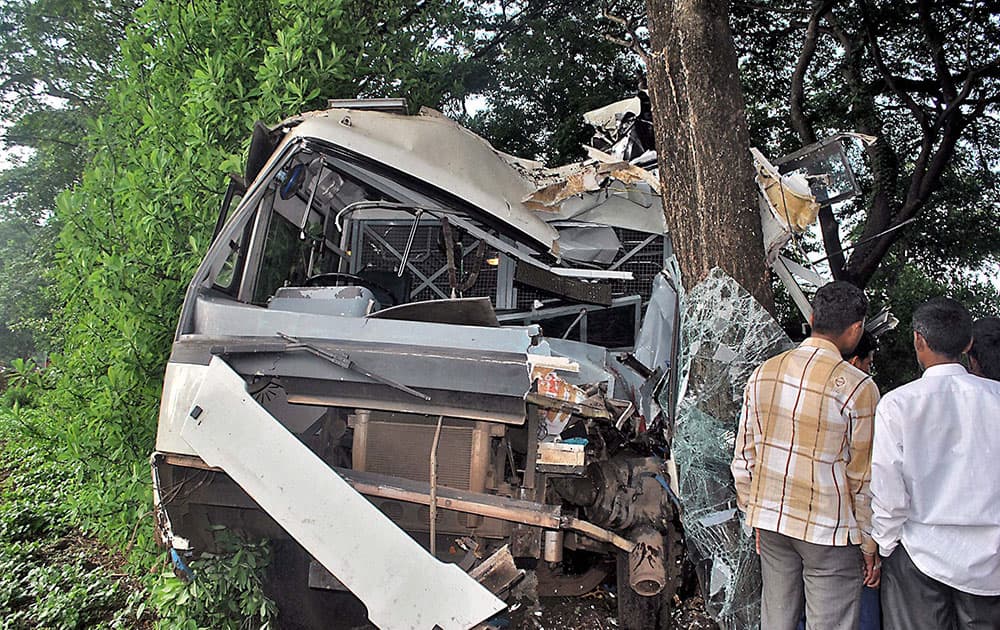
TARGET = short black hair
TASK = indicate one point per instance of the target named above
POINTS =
(866, 346)
(945, 325)
(836, 306)
(986, 346)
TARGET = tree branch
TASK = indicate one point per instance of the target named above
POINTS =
(829, 226)
(769, 9)
(797, 97)
(505, 29)
(919, 170)
(876, 51)
(29, 141)
(632, 39)
(936, 44)
(942, 157)
(930, 87)
(883, 160)
(404, 19)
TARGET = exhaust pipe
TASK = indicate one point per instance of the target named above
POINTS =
(647, 574)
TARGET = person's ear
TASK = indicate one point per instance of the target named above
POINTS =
(968, 346)
(974, 366)
(919, 342)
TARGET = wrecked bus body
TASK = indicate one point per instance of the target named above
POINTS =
(419, 366)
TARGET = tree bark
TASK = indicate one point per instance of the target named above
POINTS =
(699, 118)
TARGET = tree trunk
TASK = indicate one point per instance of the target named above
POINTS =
(699, 118)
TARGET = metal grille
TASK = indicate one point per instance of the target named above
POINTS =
(427, 258)
(379, 246)
(644, 265)
(404, 450)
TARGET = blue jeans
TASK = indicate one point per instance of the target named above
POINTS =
(871, 611)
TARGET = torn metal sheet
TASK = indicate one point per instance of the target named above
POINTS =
(545, 198)
(787, 207)
(624, 129)
(609, 118)
(808, 275)
(590, 362)
(788, 196)
(589, 178)
(588, 243)
(342, 530)
(497, 573)
(725, 335)
(654, 346)
(474, 171)
(655, 350)
(634, 207)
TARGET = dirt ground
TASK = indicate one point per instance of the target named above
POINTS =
(596, 610)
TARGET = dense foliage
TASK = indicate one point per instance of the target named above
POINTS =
(554, 64)
(190, 80)
(56, 62)
(194, 79)
(924, 79)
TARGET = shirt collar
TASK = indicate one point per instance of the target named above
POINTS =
(945, 369)
(816, 342)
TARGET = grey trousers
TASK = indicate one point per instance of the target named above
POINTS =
(913, 601)
(825, 580)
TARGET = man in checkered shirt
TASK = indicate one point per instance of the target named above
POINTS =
(802, 466)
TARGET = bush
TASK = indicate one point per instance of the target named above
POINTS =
(226, 593)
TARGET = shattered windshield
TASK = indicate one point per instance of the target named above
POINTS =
(725, 335)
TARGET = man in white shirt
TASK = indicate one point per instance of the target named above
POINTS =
(936, 484)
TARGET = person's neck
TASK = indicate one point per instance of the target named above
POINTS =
(834, 340)
(930, 359)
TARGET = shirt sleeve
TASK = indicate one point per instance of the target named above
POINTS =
(745, 452)
(859, 467)
(889, 495)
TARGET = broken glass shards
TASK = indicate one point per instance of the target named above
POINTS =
(725, 334)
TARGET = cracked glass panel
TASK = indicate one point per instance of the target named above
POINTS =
(725, 334)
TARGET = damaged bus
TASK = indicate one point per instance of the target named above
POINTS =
(420, 367)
